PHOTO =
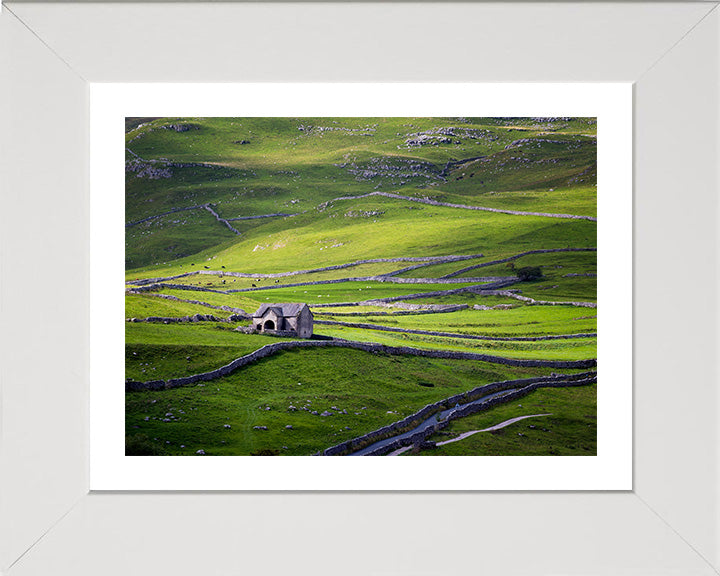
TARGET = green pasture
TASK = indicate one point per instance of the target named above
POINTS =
(543, 164)
(347, 292)
(284, 169)
(222, 281)
(144, 305)
(373, 390)
(552, 264)
(577, 200)
(521, 320)
(302, 166)
(570, 349)
(162, 351)
(327, 238)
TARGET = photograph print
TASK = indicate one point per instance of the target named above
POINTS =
(357, 286)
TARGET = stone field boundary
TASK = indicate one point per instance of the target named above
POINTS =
(466, 408)
(270, 349)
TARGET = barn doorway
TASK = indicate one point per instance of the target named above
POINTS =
(269, 325)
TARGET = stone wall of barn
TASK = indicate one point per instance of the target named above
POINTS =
(305, 323)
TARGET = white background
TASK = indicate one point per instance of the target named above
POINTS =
(611, 469)
(49, 524)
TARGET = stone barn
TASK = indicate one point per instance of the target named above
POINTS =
(285, 319)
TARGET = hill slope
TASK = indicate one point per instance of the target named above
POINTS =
(451, 252)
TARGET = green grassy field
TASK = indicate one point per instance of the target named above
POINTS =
(159, 351)
(362, 392)
(520, 321)
(319, 171)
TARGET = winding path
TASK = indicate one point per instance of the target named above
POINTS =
(471, 432)
(491, 429)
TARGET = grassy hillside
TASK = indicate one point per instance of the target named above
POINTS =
(254, 166)
(378, 224)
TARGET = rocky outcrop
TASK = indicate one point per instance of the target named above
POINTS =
(309, 129)
(445, 135)
(149, 169)
(397, 171)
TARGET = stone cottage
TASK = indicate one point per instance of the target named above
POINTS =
(286, 319)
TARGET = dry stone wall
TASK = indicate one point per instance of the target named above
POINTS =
(533, 302)
(515, 257)
(455, 334)
(413, 420)
(237, 311)
(220, 219)
(436, 309)
(426, 261)
(274, 348)
(463, 206)
(493, 282)
(194, 318)
(278, 214)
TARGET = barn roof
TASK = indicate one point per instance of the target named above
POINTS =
(287, 310)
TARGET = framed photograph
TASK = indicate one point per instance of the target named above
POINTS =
(355, 354)
(244, 204)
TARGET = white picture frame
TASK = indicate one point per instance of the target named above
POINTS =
(610, 104)
(49, 523)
